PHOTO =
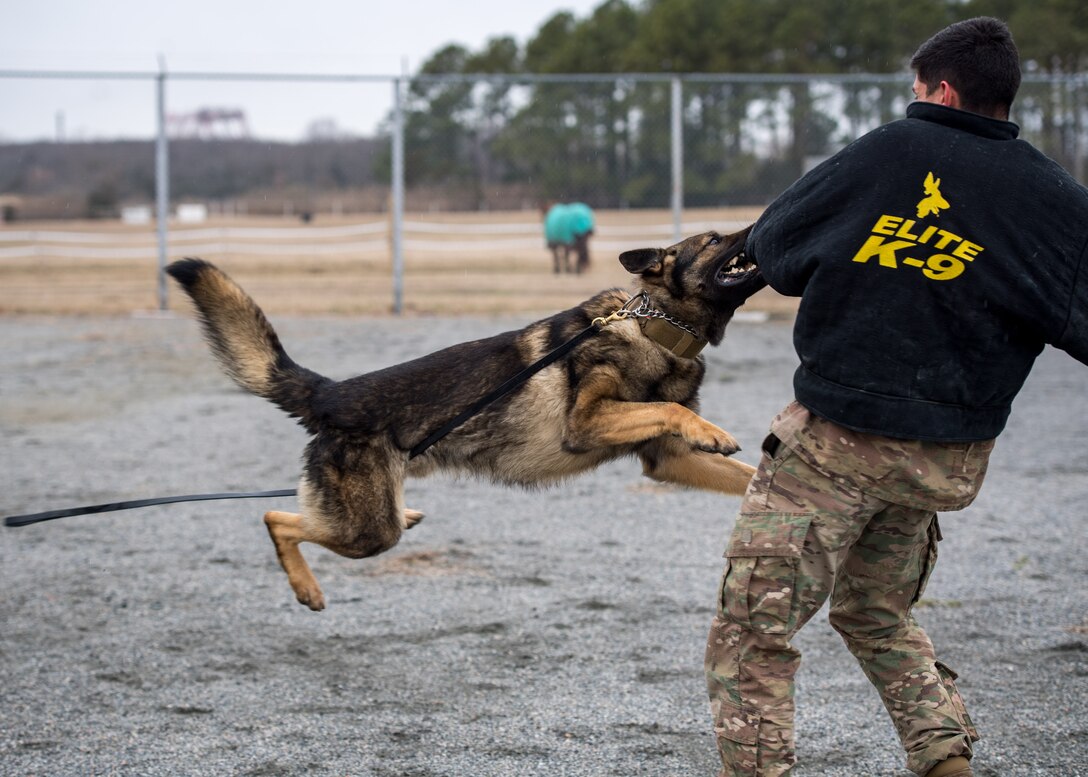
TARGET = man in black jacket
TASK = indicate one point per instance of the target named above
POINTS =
(934, 258)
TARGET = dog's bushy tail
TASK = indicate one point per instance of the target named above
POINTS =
(244, 341)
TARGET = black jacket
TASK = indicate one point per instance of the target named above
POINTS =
(935, 256)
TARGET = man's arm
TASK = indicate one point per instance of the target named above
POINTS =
(1074, 338)
(780, 241)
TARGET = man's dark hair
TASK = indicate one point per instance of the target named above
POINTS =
(977, 57)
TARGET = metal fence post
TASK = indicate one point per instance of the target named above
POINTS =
(1079, 86)
(398, 199)
(677, 138)
(162, 181)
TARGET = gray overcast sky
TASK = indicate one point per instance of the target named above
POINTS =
(374, 37)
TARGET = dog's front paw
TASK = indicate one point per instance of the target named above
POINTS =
(708, 437)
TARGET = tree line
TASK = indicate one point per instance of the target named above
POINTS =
(78, 180)
(608, 142)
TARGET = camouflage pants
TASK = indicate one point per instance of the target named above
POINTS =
(839, 514)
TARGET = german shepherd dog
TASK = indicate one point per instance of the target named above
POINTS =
(622, 391)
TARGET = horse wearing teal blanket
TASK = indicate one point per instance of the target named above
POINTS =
(567, 227)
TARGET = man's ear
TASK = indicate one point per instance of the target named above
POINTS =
(643, 261)
(950, 97)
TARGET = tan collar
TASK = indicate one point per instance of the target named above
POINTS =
(672, 338)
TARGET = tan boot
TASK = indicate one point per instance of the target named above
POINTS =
(957, 766)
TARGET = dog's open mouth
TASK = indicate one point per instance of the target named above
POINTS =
(736, 270)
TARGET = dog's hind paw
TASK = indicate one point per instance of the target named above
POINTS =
(312, 597)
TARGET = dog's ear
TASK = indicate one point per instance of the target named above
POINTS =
(643, 261)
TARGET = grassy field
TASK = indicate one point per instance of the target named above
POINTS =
(477, 263)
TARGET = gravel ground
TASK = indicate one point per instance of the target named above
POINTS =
(556, 633)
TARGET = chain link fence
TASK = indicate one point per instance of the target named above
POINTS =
(438, 170)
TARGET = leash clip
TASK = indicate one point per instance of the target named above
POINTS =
(627, 310)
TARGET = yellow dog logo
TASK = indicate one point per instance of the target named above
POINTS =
(933, 202)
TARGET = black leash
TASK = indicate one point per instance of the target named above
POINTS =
(25, 520)
(550, 358)
(507, 387)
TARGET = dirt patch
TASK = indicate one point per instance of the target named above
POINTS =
(434, 562)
